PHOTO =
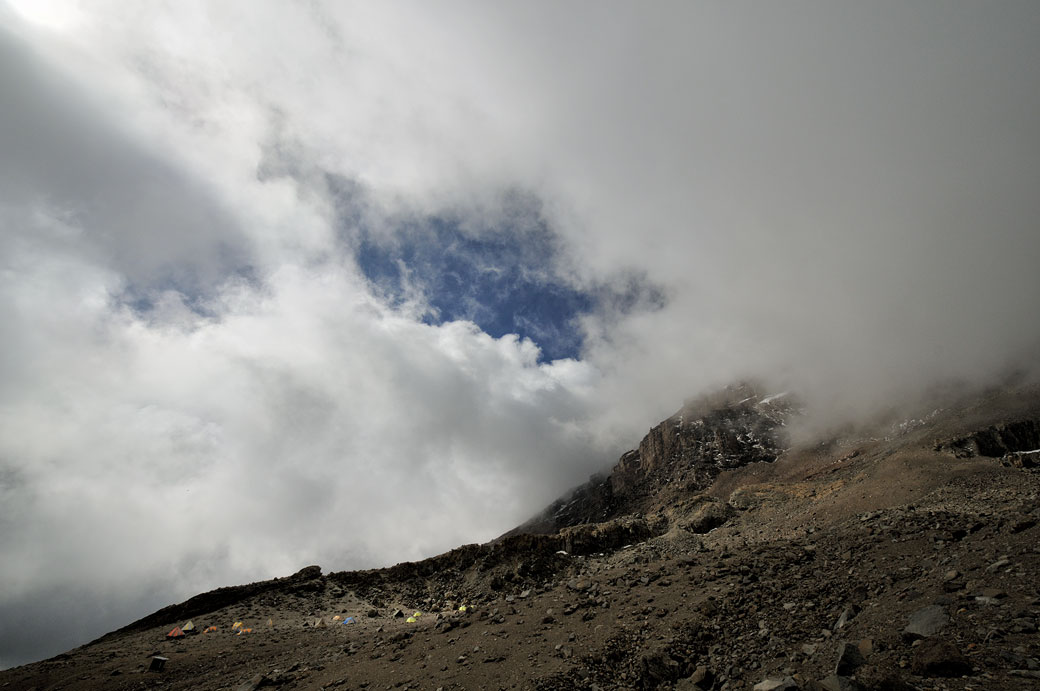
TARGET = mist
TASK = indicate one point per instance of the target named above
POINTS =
(233, 345)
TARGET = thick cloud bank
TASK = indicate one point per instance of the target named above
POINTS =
(348, 284)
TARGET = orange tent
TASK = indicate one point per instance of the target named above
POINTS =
(176, 633)
(210, 628)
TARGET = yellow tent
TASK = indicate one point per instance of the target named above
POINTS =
(237, 625)
(411, 620)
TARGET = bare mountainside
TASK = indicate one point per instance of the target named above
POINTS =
(902, 554)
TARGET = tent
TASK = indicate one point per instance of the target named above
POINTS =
(411, 620)
(350, 620)
(190, 626)
(462, 608)
(336, 618)
(210, 628)
(175, 633)
(237, 625)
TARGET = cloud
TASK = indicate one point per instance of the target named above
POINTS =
(165, 436)
(204, 385)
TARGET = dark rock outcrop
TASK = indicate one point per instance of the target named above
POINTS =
(996, 441)
(684, 454)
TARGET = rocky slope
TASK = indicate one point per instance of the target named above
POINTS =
(903, 555)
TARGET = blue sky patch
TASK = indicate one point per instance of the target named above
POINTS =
(501, 279)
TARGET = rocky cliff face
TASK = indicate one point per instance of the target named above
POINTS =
(732, 428)
(997, 441)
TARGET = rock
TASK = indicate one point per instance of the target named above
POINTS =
(1019, 526)
(937, 658)
(1023, 625)
(579, 584)
(849, 660)
(785, 684)
(702, 678)
(926, 622)
(256, 682)
(658, 668)
(883, 680)
(709, 513)
(839, 683)
(952, 580)
(846, 616)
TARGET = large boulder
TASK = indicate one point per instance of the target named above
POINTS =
(926, 622)
(937, 658)
(785, 684)
(708, 513)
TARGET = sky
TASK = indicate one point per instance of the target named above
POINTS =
(337, 283)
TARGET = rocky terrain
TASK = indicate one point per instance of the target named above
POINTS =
(902, 554)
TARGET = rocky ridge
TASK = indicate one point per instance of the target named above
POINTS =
(678, 458)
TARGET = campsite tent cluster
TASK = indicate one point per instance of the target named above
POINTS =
(189, 628)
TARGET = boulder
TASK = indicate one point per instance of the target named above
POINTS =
(847, 614)
(849, 660)
(658, 668)
(936, 658)
(708, 514)
(839, 683)
(926, 622)
(259, 681)
(702, 678)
